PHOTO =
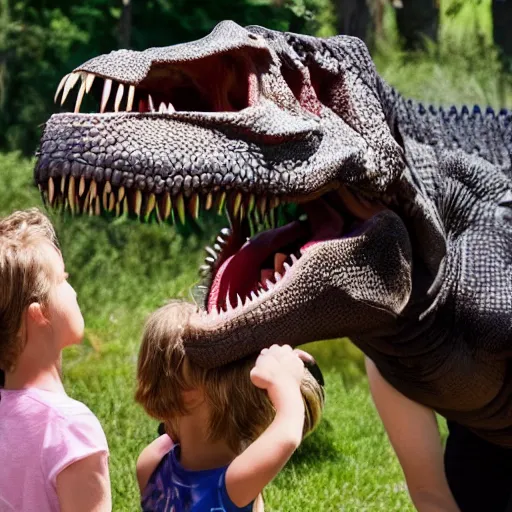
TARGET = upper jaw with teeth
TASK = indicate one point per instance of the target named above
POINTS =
(124, 96)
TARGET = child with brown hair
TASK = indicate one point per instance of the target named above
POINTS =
(230, 429)
(53, 452)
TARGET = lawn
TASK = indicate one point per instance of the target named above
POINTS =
(122, 271)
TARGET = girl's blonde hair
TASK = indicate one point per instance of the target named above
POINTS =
(240, 411)
(26, 276)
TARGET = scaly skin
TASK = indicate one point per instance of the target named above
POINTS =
(410, 208)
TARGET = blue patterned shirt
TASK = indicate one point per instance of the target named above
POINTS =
(172, 488)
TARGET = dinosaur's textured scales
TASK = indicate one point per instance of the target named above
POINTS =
(424, 287)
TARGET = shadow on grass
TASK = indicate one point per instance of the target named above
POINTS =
(317, 449)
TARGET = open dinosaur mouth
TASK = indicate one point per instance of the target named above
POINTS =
(221, 83)
(271, 231)
(241, 270)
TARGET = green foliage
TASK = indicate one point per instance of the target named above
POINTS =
(464, 68)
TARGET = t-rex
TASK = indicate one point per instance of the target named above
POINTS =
(353, 211)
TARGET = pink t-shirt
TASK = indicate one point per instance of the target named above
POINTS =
(41, 433)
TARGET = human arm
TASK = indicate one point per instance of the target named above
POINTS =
(413, 433)
(278, 370)
(150, 457)
(84, 486)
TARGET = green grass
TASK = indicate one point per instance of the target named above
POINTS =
(122, 271)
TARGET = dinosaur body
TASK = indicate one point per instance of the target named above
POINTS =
(353, 211)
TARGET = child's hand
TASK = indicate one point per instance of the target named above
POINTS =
(277, 369)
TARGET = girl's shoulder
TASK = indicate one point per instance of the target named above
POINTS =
(150, 458)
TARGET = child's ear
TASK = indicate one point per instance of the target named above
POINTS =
(193, 397)
(36, 314)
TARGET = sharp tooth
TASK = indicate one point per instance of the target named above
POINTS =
(222, 200)
(131, 95)
(170, 108)
(80, 97)
(108, 187)
(217, 248)
(111, 202)
(211, 252)
(262, 206)
(229, 307)
(210, 260)
(164, 206)
(60, 86)
(126, 205)
(293, 258)
(93, 189)
(120, 194)
(226, 232)
(89, 79)
(205, 269)
(253, 296)
(150, 101)
(150, 206)
(239, 302)
(87, 200)
(277, 277)
(162, 109)
(242, 212)
(269, 284)
(180, 206)
(71, 193)
(286, 266)
(236, 204)
(194, 206)
(209, 201)
(119, 97)
(107, 87)
(138, 202)
(81, 186)
(221, 240)
(105, 198)
(63, 184)
(97, 206)
(51, 190)
(70, 83)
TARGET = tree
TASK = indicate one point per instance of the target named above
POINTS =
(354, 18)
(502, 34)
(418, 20)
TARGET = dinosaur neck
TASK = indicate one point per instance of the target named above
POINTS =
(476, 132)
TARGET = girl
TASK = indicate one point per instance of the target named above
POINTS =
(231, 429)
(53, 452)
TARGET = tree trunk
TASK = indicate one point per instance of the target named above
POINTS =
(418, 20)
(354, 18)
(125, 25)
(502, 33)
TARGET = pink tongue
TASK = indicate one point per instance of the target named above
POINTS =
(240, 273)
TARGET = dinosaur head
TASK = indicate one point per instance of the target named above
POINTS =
(284, 133)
